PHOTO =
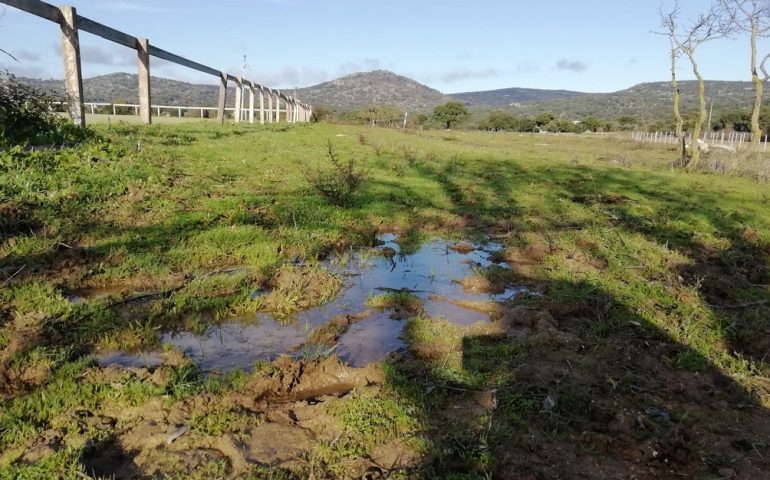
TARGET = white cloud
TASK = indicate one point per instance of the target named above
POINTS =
(572, 65)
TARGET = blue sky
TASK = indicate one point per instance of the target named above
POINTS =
(450, 45)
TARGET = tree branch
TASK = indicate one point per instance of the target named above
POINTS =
(5, 52)
(763, 67)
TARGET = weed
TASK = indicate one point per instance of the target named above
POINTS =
(340, 180)
(63, 464)
(410, 155)
(27, 116)
(185, 380)
(219, 421)
(405, 300)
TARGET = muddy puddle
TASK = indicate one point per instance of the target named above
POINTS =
(431, 273)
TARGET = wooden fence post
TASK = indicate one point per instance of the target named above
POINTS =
(238, 99)
(222, 98)
(269, 105)
(73, 73)
(145, 97)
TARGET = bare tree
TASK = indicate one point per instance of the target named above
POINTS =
(752, 17)
(669, 21)
(685, 40)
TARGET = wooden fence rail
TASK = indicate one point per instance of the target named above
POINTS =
(70, 23)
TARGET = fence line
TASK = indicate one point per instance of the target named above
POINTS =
(92, 106)
(730, 140)
(71, 23)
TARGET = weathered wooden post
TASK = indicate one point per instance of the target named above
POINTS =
(145, 99)
(238, 99)
(73, 72)
(222, 98)
(251, 102)
(261, 105)
(269, 105)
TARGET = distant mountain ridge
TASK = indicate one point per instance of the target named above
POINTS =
(380, 87)
(509, 96)
(115, 87)
(645, 100)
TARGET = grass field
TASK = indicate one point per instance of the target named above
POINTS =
(645, 357)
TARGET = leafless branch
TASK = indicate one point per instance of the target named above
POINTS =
(762, 66)
(5, 52)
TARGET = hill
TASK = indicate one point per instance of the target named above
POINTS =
(379, 87)
(646, 100)
(122, 87)
(510, 96)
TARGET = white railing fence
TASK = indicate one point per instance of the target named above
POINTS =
(731, 140)
(118, 109)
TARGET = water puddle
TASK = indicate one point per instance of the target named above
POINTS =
(431, 273)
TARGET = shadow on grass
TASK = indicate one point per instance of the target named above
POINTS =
(597, 391)
(577, 389)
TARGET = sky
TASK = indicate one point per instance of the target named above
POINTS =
(450, 45)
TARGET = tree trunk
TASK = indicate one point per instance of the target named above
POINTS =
(756, 133)
(677, 98)
(694, 150)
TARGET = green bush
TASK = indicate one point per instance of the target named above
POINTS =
(340, 180)
(28, 117)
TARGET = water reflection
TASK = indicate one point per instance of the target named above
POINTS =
(431, 273)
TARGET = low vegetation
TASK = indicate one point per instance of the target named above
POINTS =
(27, 117)
(644, 351)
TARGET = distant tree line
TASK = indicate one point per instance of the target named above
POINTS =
(548, 122)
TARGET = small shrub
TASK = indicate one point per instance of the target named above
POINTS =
(410, 155)
(340, 180)
(28, 116)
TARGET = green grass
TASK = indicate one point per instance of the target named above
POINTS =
(207, 215)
